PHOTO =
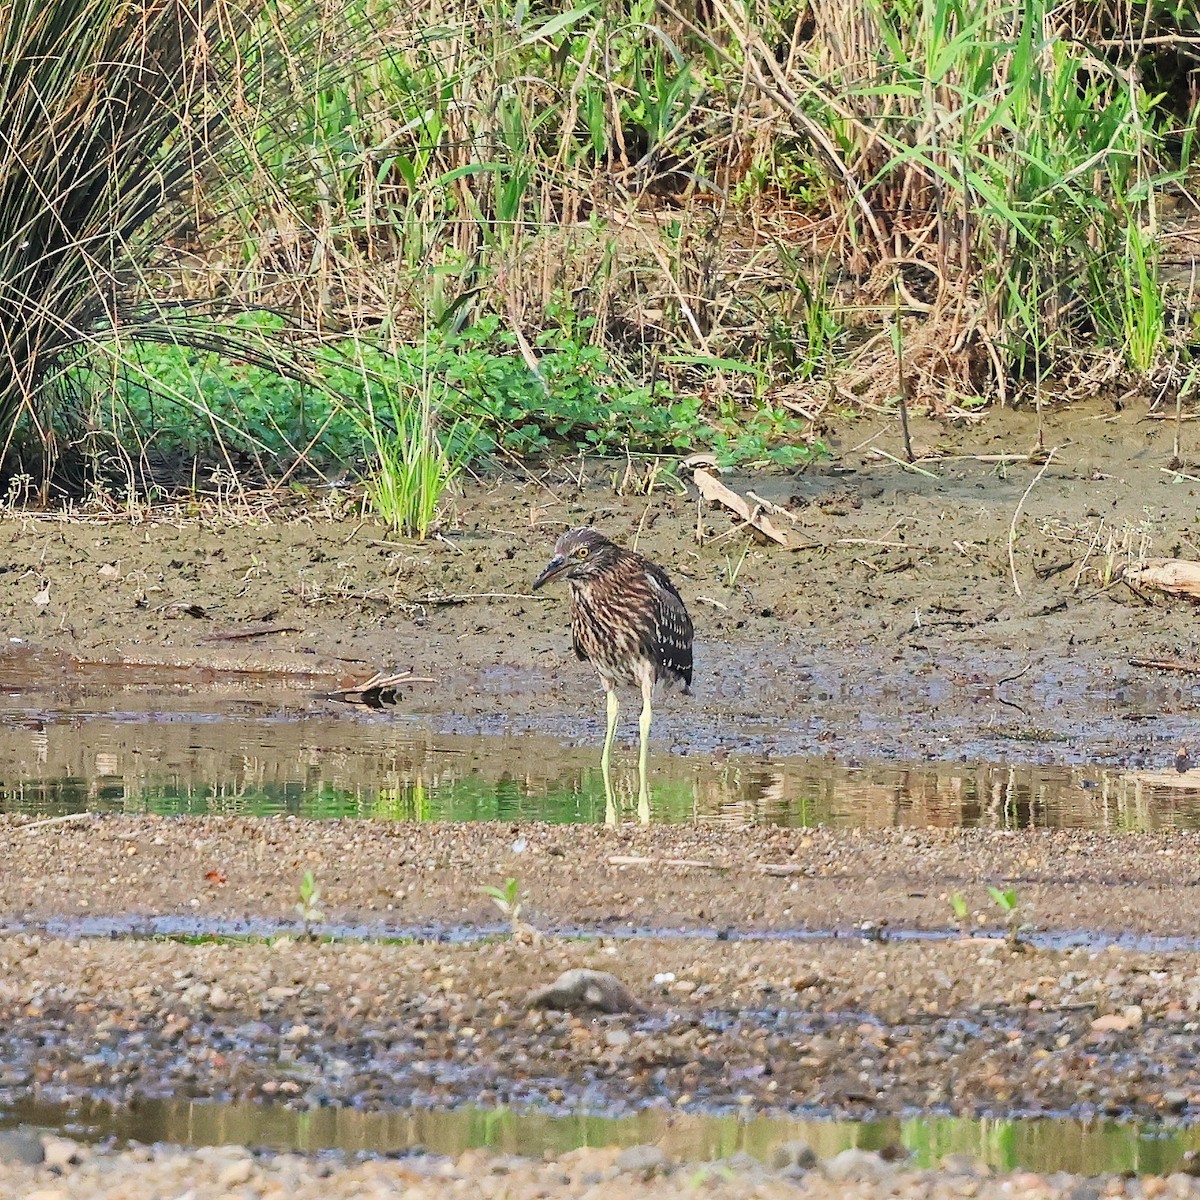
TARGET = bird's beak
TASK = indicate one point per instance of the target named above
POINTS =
(554, 567)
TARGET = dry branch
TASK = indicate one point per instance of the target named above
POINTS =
(65, 819)
(640, 860)
(713, 490)
(1167, 664)
(1176, 576)
(375, 692)
(252, 631)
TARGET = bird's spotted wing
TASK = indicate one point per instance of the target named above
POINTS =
(672, 626)
(576, 644)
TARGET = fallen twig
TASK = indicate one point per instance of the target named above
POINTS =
(983, 458)
(1180, 474)
(1012, 528)
(1188, 667)
(1010, 678)
(377, 691)
(467, 597)
(639, 860)
(253, 631)
(908, 466)
(776, 510)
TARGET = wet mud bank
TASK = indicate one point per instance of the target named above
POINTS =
(897, 625)
(377, 875)
(854, 1030)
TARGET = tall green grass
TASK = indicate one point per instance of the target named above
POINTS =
(700, 204)
(985, 160)
(121, 140)
(984, 143)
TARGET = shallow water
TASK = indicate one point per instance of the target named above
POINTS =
(154, 747)
(1038, 1144)
(263, 929)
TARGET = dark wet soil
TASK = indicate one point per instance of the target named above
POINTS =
(851, 1025)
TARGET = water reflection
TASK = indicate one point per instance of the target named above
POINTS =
(1039, 1144)
(261, 759)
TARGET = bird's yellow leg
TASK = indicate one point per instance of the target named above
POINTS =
(644, 751)
(610, 800)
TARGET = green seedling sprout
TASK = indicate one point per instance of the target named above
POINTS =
(961, 909)
(507, 899)
(309, 907)
(1007, 901)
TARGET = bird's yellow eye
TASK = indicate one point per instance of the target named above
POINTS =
(582, 552)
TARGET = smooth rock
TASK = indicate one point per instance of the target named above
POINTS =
(642, 1160)
(583, 989)
(863, 1166)
(236, 1173)
(62, 1152)
(741, 1162)
(21, 1146)
(958, 1163)
(1189, 1164)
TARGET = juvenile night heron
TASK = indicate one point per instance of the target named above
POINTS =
(628, 619)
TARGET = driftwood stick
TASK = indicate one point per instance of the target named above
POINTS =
(714, 491)
(640, 860)
(1188, 667)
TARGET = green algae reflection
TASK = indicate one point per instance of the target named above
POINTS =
(385, 769)
(1035, 1144)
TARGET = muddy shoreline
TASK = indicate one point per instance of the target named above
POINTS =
(862, 1024)
(892, 631)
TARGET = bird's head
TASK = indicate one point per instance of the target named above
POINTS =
(578, 554)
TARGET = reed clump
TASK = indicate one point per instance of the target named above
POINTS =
(746, 217)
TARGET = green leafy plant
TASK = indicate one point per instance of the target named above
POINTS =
(416, 414)
(1007, 901)
(734, 569)
(508, 899)
(309, 907)
(110, 113)
(414, 462)
(961, 910)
